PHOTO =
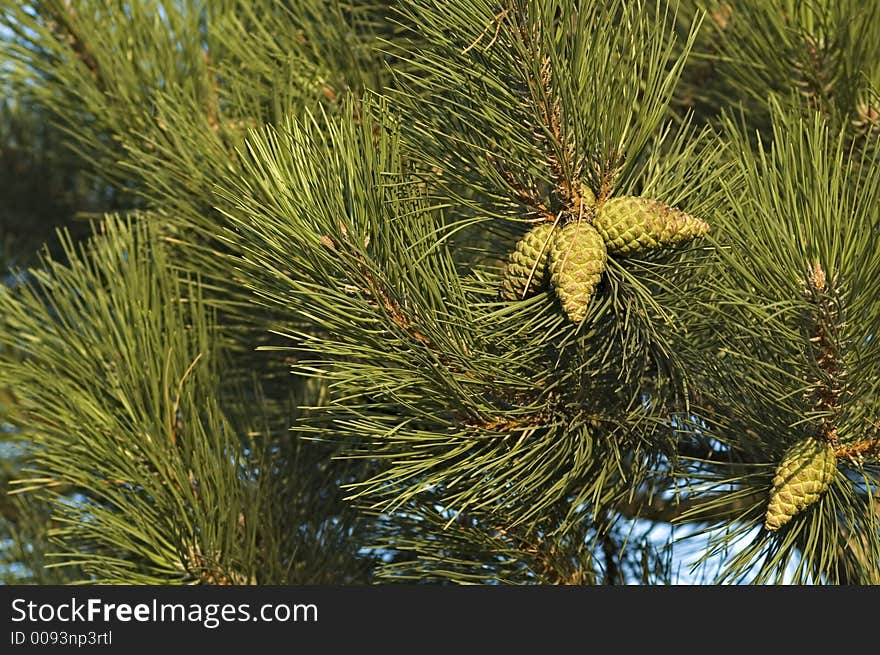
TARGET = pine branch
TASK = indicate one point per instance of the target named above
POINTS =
(137, 466)
(540, 142)
(814, 57)
(791, 275)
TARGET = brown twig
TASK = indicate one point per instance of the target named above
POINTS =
(609, 551)
(826, 389)
(210, 571)
(376, 290)
(395, 311)
(559, 154)
(857, 452)
(545, 561)
(606, 179)
(568, 190)
(815, 80)
(528, 197)
(500, 424)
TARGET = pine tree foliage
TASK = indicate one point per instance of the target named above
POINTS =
(819, 56)
(425, 546)
(162, 122)
(310, 367)
(791, 312)
(140, 465)
(577, 90)
(41, 187)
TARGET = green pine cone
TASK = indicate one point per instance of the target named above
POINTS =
(630, 224)
(577, 261)
(803, 475)
(527, 265)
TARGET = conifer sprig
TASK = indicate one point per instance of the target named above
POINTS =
(449, 391)
(116, 363)
(131, 463)
(576, 94)
(796, 263)
(814, 56)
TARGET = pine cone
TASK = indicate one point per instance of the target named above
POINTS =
(527, 265)
(630, 224)
(803, 475)
(577, 260)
